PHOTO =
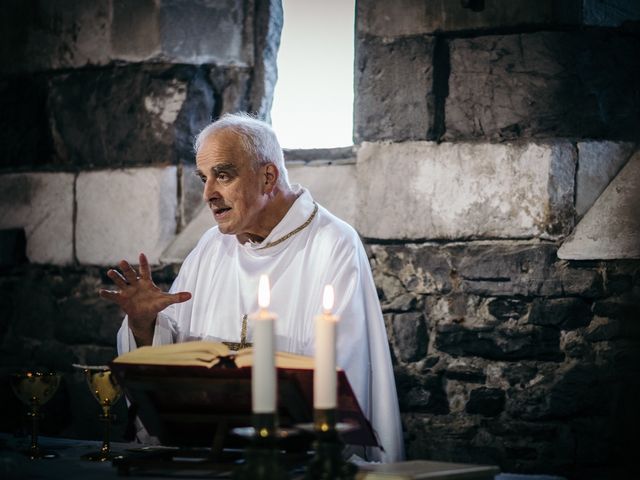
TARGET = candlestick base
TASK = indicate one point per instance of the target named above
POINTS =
(262, 460)
(327, 463)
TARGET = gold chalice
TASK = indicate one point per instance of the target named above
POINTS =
(35, 389)
(106, 391)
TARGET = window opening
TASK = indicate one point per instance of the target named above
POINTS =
(313, 98)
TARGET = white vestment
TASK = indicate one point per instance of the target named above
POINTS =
(222, 276)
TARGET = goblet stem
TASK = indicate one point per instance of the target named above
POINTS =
(104, 453)
(34, 413)
(105, 450)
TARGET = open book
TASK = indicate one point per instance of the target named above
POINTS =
(187, 393)
(205, 354)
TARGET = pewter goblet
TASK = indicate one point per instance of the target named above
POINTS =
(35, 389)
(106, 391)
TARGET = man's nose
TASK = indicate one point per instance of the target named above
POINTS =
(210, 190)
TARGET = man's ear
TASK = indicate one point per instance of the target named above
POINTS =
(271, 175)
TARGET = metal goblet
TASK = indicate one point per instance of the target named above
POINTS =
(106, 391)
(35, 389)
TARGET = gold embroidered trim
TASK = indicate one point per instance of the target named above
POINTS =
(292, 232)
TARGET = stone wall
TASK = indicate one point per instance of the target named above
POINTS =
(484, 135)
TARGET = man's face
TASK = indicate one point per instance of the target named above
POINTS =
(232, 188)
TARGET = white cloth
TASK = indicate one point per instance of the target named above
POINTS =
(223, 275)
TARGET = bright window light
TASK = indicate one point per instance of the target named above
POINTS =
(313, 98)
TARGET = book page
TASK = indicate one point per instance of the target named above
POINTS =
(187, 353)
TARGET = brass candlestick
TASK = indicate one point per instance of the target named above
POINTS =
(262, 456)
(327, 463)
(106, 391)
(35, 389)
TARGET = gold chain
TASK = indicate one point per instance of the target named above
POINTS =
(293, 232)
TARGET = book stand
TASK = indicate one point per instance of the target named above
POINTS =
(193, 407)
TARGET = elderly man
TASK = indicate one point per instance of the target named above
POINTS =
(266, 225)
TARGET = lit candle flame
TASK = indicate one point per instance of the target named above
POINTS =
(327, 298)
(264, 295)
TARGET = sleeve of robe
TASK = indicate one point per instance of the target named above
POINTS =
(363, 348)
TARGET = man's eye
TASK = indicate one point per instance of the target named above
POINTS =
(203, 179)
(223, 177)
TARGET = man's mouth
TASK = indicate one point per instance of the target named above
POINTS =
(219, 212)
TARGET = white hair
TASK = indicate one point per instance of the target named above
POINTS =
(257, 138)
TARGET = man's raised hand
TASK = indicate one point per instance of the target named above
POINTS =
(140, 298)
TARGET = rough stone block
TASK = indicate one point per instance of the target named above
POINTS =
(565, 313)
(74, 33)
(421, 269)
(167, 31)
(505, 308)
(421, 393)
(456, 434)
(546, 84)
(135, 30)
(53, 35)
(410, 337)
(206, 31)
(501, 343)
(598, 164)
(571, 390)
(42, 204)
(612, 13)
(324, 180)
(463, 190)
(611, 228)
(410, 17)
(519, 373)
(24, 128)
(97, 121)
(13, 247)
(391, 19)
(124, 212)
(232, 86)
(486, 401)
(625, 308)
(394, 89)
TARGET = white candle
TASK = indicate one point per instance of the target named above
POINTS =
(263, 372)
(324, 378)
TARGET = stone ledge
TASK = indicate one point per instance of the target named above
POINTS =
(611, 228)
(598, 164)
(425, 190)
(124, 212)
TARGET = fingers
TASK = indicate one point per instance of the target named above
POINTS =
(182, 296)
(171, 298)
(109, 295)
(117, 278)
(145, 270)
(129, 272)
